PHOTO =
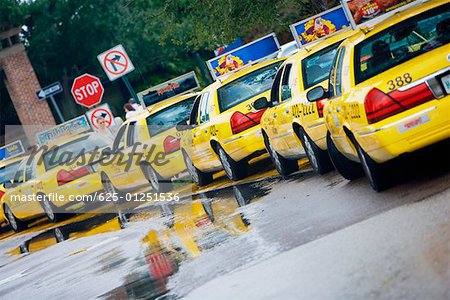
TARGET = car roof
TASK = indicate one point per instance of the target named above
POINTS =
(320, 45)
(248, 69)
(374, 28)
(9, 161)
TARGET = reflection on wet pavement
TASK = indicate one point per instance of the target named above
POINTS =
(176, 233)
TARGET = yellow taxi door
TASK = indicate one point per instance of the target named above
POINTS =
(282, 113)
(203, 155)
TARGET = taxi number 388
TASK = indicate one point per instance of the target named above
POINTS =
(399, 81)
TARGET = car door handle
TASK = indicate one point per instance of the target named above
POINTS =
(287, 111)
(206, 130)
(274, 115)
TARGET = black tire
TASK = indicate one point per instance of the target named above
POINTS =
(234, 170)
(60, 234)
(111, 190)
(284, 166)
(379, 175)
(122, 217)
(159, 184)
(49, 209)
(198, 177)
(15, 224)
(349, 169)
(319, 159)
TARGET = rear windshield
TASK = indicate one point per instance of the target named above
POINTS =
(247, 86)
(170, 116)
(402, 42)
(316, 68)
(70, 151)
(7, 172)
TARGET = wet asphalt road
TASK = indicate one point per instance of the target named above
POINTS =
(171, 251)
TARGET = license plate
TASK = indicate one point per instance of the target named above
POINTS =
(446, 82)
(413, 123)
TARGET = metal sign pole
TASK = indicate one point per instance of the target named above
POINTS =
(131, 90)
(58, 112)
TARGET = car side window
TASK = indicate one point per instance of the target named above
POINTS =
(338, 76)
(131, 134)
(285, 88)
(19, 177)
(119, 142)
(29, 171)
(204, 108)
(275, 92)
(194, 112)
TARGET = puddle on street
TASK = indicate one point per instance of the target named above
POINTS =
(181, 232)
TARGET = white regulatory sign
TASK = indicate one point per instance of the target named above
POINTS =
(115, 62)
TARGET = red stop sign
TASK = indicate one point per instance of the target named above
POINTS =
(87, 90)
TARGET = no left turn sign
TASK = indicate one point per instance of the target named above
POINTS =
(115, 62)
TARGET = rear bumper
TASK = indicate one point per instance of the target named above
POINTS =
(408, 131)
(245, 144)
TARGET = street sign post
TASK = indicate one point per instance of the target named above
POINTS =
(48, 92)
(116, 64)
(87, 90)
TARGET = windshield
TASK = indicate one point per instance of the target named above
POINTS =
(69, 151)
(247, 86)
(170, 116)
(316, 67)
(7, 172)
(403, 42)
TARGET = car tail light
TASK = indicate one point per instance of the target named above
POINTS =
(380, 106)
(64, 176)
(202, 221)
(1, 194)
(240, 122)
(171, 144)
(413, 96)
(320, 105)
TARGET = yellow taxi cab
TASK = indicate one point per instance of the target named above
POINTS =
(223, 130)
(147, 149)
(52, 180)
(8, 168)
(389, 92)
(292, 126)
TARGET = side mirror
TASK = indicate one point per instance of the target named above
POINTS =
(107, 151)
(316, 94)
(261, 103)
(183, 125)
(8, 184)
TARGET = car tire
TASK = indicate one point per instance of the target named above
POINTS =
(378, 174)
(318, 158)
(234, 170)
(200, 178)
(60, 235)
(49, 210)
(349, 169)
(15, 224)
(284, 166)
(159, 184)
(111, 190)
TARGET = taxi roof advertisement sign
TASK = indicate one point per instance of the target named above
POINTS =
(169, 89)
(361, 11)
(64, 130)
(11, 150)
(320, 26)
(239, 57)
